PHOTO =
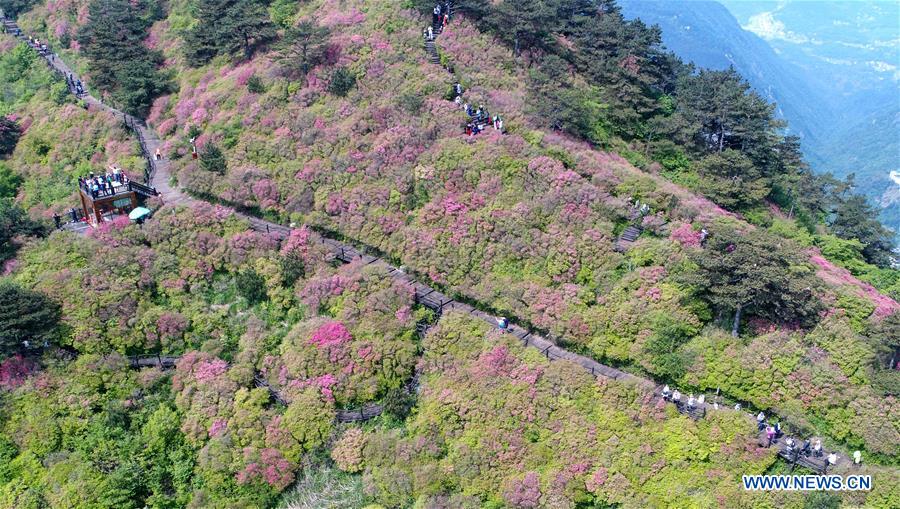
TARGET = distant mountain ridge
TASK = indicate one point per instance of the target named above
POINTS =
(706, 33)
(848, 121)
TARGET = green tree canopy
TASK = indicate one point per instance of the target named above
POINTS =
(251, 286)
(229, 27)
(750, 272)
(25, 315)
(9, 135)
(302, 48)
(14, 221)
(120, 63)
(13, 8)
(854, 218)
(732, 180)
(213, 159)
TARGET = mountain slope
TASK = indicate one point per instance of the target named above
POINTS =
(524, 222)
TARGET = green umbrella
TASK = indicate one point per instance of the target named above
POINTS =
(138, 213)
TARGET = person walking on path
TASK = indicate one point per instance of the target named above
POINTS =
(158, 154)
(857, 458)
(832, 461)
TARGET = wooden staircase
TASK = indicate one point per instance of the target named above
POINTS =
(627, 237)
(433, 56)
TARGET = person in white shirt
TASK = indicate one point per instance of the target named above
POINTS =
(832, 460)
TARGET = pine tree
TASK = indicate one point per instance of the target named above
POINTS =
(119, 61)
(854, 218)
(302, 48)
(749, 272)
(25, 315)
(9, 135)
(232, 27)
(213, 160)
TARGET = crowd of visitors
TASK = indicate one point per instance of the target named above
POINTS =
(112, 182)
(479, 119)
(75, 85)
(793, 448)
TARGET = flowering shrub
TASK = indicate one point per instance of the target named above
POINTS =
(347, 452)
(364, 350)
(330, 334)
(523, 222)
(488, 432)
(14, 370)
(525, 493)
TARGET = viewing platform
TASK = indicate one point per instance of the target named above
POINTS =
(105, 197)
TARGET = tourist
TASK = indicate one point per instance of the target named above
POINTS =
(737, 407)
(701, 399)
(760, 421)
(770, 434)
(435, 14)
(817, 448)
(158, 154)
(691, 402)
(790, 446)
(502, 323)
(445, 21)
(778, 432)
(703, 235)
(430, 33)
(857, 458)
(832, 461)
(807, 445)
(458, 88)
(676, 397)
(666, 392)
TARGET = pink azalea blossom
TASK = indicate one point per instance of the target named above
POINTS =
(331, 334)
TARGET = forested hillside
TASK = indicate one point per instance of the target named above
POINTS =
(743, 276)
(829, 66)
